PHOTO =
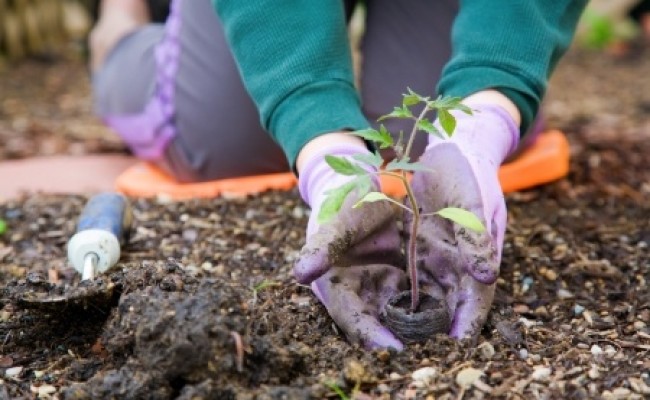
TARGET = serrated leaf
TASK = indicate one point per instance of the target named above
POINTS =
(410, 100)
(427, 126)
(373, 159)
(406, 165)
(398, 112)
(371, 198)
(444, 103)
(381, 137)
(420, 97)
(464, 108)
(462, 217)
(387, 138)
(333, 201)
(447, 121)
(344, 166)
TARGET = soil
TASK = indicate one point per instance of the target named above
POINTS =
(205, 306)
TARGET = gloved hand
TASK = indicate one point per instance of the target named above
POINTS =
(355, 257)
(464, 263)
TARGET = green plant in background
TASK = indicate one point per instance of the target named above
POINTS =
(598, 30)
(3, 226)
(399, 168)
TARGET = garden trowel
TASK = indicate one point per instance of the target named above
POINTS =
(95, 247)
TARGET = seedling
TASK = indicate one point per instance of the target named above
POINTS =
(265, 284)
(337, 389)
(399, 168)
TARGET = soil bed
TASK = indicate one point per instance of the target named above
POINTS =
(206, 306)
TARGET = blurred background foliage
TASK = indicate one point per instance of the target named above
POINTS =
(45, 28)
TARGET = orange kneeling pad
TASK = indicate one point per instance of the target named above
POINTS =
(545, 161)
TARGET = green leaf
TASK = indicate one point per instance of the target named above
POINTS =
(444, 103)
(382, 137)
(411, 98)
(427, 126)
(333, 201)
(344, 166)
(398, 112)
(363, 185)
(371, 198)
(406, 165)
(265, 284)
(336, 389)
(3, 226)
(462, 217)
(464, 108)
(373, 159)
(447, 121)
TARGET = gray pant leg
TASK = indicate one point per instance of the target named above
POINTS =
(219, 130)
(126, 81)
(406, 44)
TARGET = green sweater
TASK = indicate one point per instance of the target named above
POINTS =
(295, 60)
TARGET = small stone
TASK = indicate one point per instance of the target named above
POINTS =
(593, 372)
(394, 376)
(354, 371)
(43, 391)
(410, 394)
(383, 388)
(13, 372)
(298, 212)
(610, 351)
(190, 235)
(621, 393)
(520, 308)
(424, 375)
(487, 350)
(526, 284)
(541, 373)
(523, 354)
(207, 266)
(6, 361)
(4, 316)
(578, 310)
(466, 377)
(639, 386)
(596, 350)
(550, 275)
(638, 325)
(564, 294)
(542, 311)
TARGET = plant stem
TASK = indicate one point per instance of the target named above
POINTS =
(411, 255)
(409, 144)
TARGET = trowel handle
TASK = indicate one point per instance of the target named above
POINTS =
(109, 212)
(102, 228)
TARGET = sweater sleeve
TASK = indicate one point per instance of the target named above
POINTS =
(510, 46)
(295, 61)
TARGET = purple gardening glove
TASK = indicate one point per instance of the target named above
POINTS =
(463, 262)
(352, 261)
